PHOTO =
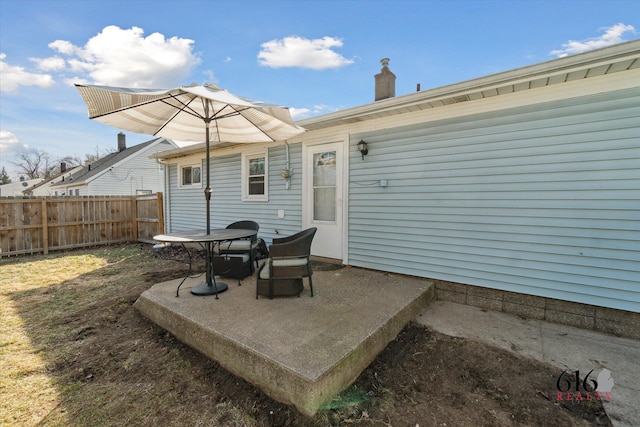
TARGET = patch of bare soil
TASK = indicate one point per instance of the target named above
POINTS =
(427, 378)
(422, 378)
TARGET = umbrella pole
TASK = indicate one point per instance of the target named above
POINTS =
(207, 190)
(210, 287)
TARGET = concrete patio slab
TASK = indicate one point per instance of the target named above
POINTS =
(298, 350)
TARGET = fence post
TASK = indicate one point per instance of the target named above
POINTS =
(135, 218)
(45, 225)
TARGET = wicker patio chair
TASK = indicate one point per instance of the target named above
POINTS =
(247, 246)
(288, 263)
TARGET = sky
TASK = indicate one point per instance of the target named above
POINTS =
(314, 57)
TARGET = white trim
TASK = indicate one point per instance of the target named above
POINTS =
(192, 163)
(246, 157)
(342, 198)
(346, 161)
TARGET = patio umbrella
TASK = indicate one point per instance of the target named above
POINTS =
(190, 113)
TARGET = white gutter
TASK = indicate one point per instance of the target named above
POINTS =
(167, 194)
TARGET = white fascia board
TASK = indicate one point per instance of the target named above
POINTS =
(216, 150)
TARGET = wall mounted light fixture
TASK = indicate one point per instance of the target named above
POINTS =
(362, 146)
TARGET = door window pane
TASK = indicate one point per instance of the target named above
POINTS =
(324, 169)
(324, 186)
(324, 204)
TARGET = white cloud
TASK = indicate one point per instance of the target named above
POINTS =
(210, 76)
(294, 51)
(10, 143)
(54, 63)
(119, 57)
(612, 35)
(299, 113)
(114, 57)
(77, 80)
(62, 46)
(12, 77)
(303, 113)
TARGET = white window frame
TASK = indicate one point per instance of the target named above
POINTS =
(192, 164)
(246, 158)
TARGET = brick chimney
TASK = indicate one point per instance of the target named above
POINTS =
(63, 167)
(385, 82)
(122, 142)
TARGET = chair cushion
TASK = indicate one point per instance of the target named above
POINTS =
(238, 245)
(286, 262)
(290, 262)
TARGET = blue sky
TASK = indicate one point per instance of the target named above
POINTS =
(312, 56)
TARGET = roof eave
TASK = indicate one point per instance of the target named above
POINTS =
(523, 78)
(190, 150)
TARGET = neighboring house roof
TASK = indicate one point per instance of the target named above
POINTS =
(103, 164)
(53, 180)
(16, 188)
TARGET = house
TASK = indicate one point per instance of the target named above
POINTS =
(15, 189)
(44, 188)
(517, 189)
(128, 171)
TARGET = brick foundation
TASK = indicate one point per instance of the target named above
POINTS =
(607, 320)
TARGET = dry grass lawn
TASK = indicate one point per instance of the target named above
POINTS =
(74, 352)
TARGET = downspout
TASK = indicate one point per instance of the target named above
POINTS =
(167, 196)
(287, 172)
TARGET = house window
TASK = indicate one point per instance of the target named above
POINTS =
(190, 176)
(254, 176)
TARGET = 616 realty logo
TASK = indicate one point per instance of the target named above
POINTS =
(574, 386)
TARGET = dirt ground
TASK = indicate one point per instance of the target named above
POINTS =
(423, 378)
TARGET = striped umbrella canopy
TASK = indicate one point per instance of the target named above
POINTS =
(190, 113)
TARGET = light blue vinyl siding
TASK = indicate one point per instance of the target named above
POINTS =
(541, 200)
(188, 205)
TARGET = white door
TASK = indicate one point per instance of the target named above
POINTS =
(324, 198)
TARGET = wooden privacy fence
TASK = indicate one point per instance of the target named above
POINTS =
(41, 224)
